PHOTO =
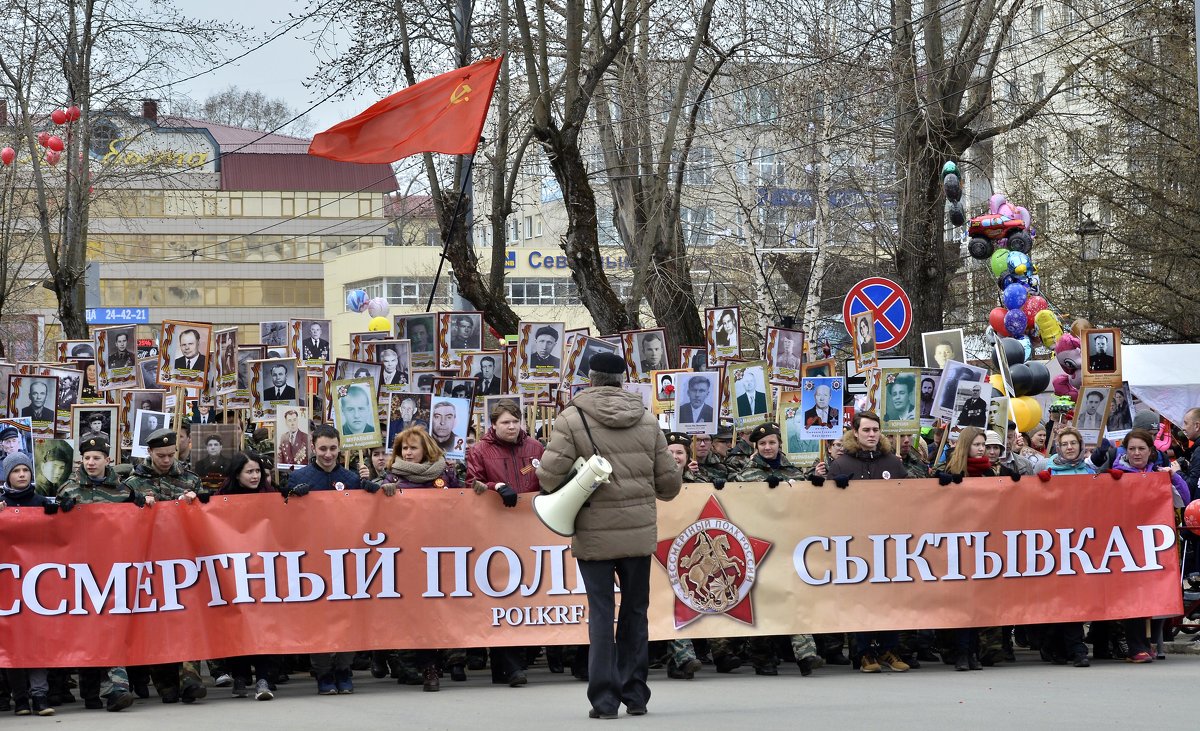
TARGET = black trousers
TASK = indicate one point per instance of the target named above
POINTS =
(618, 665)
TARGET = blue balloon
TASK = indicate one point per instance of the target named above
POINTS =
(1015, 322)
(1014, 296)
(356, 300)
(1025, 343)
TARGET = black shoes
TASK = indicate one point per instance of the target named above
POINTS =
(433, 682)
(517, 679)
(458, 674)
(961, 663)
(837, 658)
(807, 665)
(728, 663)
(597, 714)
(118, 701)
(766, 670)
(1082, 662)
(192, 691)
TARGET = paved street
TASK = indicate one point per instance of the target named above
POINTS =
(1029, 694)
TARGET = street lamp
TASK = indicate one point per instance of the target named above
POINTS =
(1090, 234)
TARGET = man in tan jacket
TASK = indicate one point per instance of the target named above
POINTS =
(616, 530)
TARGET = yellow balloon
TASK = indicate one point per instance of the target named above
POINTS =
(997, 383)
(1028, 412)
(379, 324)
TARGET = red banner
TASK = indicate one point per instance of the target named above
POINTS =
(114, 584)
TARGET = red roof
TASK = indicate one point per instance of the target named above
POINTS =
(252, 160)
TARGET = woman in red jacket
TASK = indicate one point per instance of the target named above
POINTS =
(505, 460)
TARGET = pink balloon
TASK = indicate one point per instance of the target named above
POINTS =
(1023, 212)
(1008, 210)
(53, 156)
(59, 116)
(54, 142)
(7, 155)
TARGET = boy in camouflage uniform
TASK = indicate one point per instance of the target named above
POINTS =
(96, 482)
(162, 477)
(682, 662)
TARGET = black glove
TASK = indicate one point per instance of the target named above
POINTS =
(957, 478)
(719, 483)
(773, 481)
(371, 486)
(50, 508)
(817, 480)
(1100, 453)
(842, 481)
(507, 494)
(68, 504)
(943, 478)
(296, 490)
(204, 497)
(1016, 476)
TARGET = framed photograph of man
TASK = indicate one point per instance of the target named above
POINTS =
(538, 394)
(406, 410)
(116, 360)
(486, 368)
(583, 348)
(16, 435)
(421, 333)
(696, 404)
(1102, 357)
(183, 355)
(489, 403)
(308, 341)
(6, 370)
(540, 351)
(750, 394)
(395, 360)
(901, 400)
(862, 336)
(95, 420)
(293, 448)
(272, 383)
(930, 377)
(1120, 414)
(345, 369)
(722, 333)
(1091, 412)
(457, 333)
(356, 413)
(74, 350)
(946, 395)
(645, 352)
(942, 346)
(52, 461)
(998, 419)
(665, 389)
(449, 421)
(240, 399)
(70, 392)
(783, 349)
(970, 406)
(694, 358)
(820, 409)
(213, 447)
(790, 418)
(358, 343)
(35, 397)
(134, 400)
(446, 387)
(225, 364)
(146, 423)
(274, 335)
(818, 369)
(147, 373)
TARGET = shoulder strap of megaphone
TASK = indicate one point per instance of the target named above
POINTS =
(587, 429)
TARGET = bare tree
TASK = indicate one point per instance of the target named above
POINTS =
(248, 108)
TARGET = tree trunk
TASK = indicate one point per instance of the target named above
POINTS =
(925, 262)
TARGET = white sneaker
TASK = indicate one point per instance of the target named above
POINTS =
(262, 691)
(224, 680)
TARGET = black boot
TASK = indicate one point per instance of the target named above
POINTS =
(961, 663)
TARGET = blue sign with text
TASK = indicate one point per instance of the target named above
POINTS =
(118, 316)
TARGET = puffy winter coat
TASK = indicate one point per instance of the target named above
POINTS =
(620, 519)
(861, 464)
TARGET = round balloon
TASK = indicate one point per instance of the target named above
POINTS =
(377, 307)
(7, 155)
(379, 325)
(1041, 376)
(1000, 262)
(356, 300)
(1191, 515)
(1013, 352)
(996, 320)
(1020, 378)
(59, 116)
(1028, 412)
(1018, 263)
(1015, 322)
(1014, 296)
(1034, 304)
(958, 214)
(997, 382)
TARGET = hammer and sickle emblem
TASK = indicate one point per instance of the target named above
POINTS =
(459, 95)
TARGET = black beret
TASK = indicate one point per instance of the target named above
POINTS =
(607, 363)
(94, 444)
(764, 430)
(161, 438)
(675, 437)
(546, 330)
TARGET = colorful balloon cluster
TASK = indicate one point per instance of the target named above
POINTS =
(376, 307)
(1028, 378)
(53, 144)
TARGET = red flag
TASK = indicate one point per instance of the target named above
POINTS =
(442, 114)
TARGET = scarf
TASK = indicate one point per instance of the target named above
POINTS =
(979, 466)
(421, 474)
(1065, 463)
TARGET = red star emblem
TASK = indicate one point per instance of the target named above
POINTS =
(712, 566)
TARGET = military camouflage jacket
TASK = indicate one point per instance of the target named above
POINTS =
(738, 457)
(86, 490)
(914, 466)
(758, 470)
(711, 468)
(170, 486)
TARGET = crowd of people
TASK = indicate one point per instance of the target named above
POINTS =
(615, 537)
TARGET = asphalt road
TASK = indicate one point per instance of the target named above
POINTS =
(1029, 694)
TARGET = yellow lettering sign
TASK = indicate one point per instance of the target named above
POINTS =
(119, 154)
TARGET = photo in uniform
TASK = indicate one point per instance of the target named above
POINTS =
(52, 462)
(784, 348)
(213, 447)
(583, 349)
(540, 351)
(722, 334)
(1120, 414)
(749, 393)
(293, 444)
(395, 360)
(942, 346)
(225, 362)
(148, 373)
(645, 352)
(449, 419)
(421, 333)
(184, 352)
(358, 343)
(309, 342)
(94, 420)
(405, 410)
(926, 389)
(88, 392)
(457, 333)
(16, 435)
(35, 397)
(862, 336)
(146, 423)
(116, 357)
(423, 381)
(696, 402)
(70, 392)
(947, 389)
(486, 367)
(356, 413)
(820, 411)
(1091, 413)
(999, 418)
(74, 350)
(970, 407)
(1102, 356)
(132, 401)
(790, 418)
(901, 402)
(274, 335)
(245, 354)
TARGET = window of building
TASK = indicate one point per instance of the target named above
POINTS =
(1039, 86)
(403, 290)
(514, 229)
(529, 227)
(699, 169)
(1037, 17)
(699, 226)
(768, 166)
(534, 291)
(1042, 146)
(1041, 218)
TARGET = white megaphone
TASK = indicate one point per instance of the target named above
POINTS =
(558, 509)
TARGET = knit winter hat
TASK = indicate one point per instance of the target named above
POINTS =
(13, 461)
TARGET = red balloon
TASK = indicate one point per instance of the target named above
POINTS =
(1034, 304)
(55, 143)
(7, 155)
(996, 320)
(73, 113)
(53, 156)
(42, 138)
(59, 116)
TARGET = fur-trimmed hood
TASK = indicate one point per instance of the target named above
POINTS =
(851, 445)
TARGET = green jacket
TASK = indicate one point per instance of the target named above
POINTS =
(84, 489)
(914, 466)
(758, 470)
(170, 486)
(712, 468)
